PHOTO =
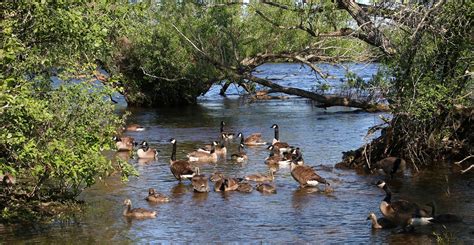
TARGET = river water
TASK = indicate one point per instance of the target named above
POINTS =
(293, 215)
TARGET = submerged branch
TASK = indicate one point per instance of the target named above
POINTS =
(324, 100)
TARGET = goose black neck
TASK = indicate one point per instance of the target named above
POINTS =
(241, 140)
(277, 134)
(213, 148)
(222, 127)
(173, 153)
(388, 194)
(396, 166)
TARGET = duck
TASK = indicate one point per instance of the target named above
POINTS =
(240, 156)
(400, 211)
(305, 175)
(381, 223)
(156, 197)
(134, 128)
(137, 212)
(180, 169)
(254, 139)
(228, 135)
(226, 184)
(124, 143)
(199, 182)
(199, 156)
(146, 152)
(391, 165)
(245, 187)
(266, 188)
(221, 149)
(261, 177)
(282, 146)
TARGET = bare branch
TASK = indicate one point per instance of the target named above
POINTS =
(162, 78)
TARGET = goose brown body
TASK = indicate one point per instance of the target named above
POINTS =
(199, 182)
(380, 223)
(391, 165)
(204, 157)
(401, 211)
(145, 152)
(266, 188)
(137, 212)
(124, 143)
(156, 197)
(254, 139)
(306, 175)
(180, 169)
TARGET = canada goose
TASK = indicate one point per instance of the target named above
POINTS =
(226, 184)
(221, 149)
(216, 176)
(124, 143)
(228, 135)
(391, 165)
(261, 177)
(381, 223)
(134, 127)
(282, 146)
(198, 156)
(266, 188)
(137, 212)
(180, 169)
(199, 182)
(400, 211)
(275, 160)
(240, 156)
(156, 197)
(252, 140)
(245, 187)
(442, 218)
(146, 152)
(305, 175)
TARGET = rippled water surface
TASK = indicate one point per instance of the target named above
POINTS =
(292, 215)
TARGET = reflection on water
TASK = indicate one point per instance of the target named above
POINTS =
(291, 215)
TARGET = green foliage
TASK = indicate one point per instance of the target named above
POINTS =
(52, 137)
(432, 72)
(161, 67)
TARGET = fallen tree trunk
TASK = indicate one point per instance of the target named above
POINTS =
(323, 100)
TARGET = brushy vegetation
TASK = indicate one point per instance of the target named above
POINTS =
(52, 135)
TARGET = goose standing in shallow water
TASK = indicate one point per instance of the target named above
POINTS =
(156, 197)
(252, 140)
(180, 169)
(240, 156)
(204, 157)
(136, 212)
(381, 223)
(282, 146)
(305, 175)
(146, 152)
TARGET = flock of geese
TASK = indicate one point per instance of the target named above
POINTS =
(281, 155)
(398, 213)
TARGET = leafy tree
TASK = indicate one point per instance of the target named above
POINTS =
(52, 136)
